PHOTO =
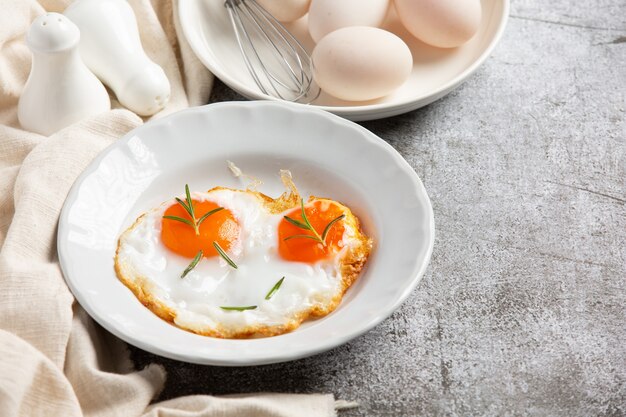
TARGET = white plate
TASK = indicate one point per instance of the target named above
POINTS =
(327, 155)
(436, 71)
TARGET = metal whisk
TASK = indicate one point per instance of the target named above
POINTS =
(276, 61)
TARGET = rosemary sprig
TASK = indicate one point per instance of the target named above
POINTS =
(223, 254)
(274, 288)
(309, 226)
(188, 206)
(193, 264)
(306, 225)
(329, 225)
(238, 308)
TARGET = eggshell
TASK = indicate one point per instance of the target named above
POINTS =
(361, 63)
(441, 23)
(326, 16)
(286, 10)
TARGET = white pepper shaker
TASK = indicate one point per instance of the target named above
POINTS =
(111, 48)
(60, 89)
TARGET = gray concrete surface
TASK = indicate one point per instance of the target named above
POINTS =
(522, 311)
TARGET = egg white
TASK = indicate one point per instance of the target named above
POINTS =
(197, 299)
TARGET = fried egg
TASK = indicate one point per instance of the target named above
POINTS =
(270, 276)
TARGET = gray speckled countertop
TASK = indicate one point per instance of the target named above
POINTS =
(523, 308)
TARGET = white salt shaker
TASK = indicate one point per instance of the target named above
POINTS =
(111, 48)
(60, 89)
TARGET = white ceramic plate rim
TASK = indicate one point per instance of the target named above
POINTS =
(365, 112)
(181, 353)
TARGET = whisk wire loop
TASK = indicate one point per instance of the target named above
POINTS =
(277, 50)
(276, 61)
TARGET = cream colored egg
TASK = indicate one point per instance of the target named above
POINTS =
(286, 10)
(441, 23)
(326, 16)
(361, 63)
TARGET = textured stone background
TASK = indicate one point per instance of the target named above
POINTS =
(523, 308)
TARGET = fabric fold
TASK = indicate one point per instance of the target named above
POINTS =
(54, 359)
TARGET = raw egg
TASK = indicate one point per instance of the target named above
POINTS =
(361, 63)
(441, 23)
(286, 10)
(326, 16)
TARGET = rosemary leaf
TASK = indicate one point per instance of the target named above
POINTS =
(304, 217)
(193, 264)
(302, 236)
(329, 225)
(179, 219)
(274, 288)
(296, 223)
(184, 205)
(223, 254)
(189, 202)
(203, 218)
(238, 308)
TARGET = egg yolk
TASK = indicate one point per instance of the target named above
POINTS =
(320, 214)
(181, 238)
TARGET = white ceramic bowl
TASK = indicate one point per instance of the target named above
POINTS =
(435, 73)
(327, 155)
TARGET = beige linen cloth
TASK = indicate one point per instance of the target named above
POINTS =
(54, 360)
